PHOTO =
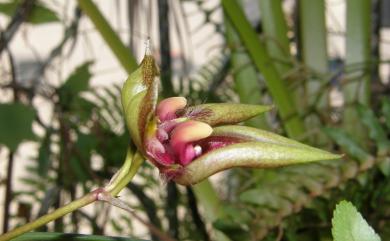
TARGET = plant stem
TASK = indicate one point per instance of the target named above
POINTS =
(275, 30)
(22, 13)
(121, 52)
(165, 48)
(87, 199)
(8, 191)
(358, 43)
(135, 162)
(246, 81)
(263, 62)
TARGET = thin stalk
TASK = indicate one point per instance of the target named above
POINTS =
(246, 81)
(44, 236)
(112, 189)
(358, 43)
(275, 30)
(314, 56)
(8, 191)
(172, 201)
(263, 62)
(358, 47)
(87, 199)
(313, 34)
(8, 182)
(196, 217)
(148, 205)
(313, 41)
(165, 47)
(211, 204)
(122, 53)
(22, 13)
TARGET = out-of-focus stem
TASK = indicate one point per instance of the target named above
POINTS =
(263, 62)
(112, 39)
(123, 178)
(8, 191)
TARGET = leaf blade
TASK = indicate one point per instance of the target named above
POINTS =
(349, 225)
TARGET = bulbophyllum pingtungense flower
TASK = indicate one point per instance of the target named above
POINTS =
(190, 143)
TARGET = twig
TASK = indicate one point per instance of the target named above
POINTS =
(8, 191)
(171, 209)
(87, 199)
(148, 204)
(192, 203)
(22, 13)
(165, 49)
(107, 197)
(8, 180)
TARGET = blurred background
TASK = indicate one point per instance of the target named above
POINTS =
(323, 64)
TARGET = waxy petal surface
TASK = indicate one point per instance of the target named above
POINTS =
(167, 108)
(190, 131)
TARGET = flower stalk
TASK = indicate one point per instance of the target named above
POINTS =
(119, 181)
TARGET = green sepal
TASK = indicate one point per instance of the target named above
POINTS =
(139, 98)
(248, 134)
(257, 149)
(224, 113)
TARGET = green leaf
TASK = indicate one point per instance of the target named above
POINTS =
(42, 14)
(376, 131)
(15, 124)
(263, 198)
(45, 236)
(81, 163)
(349, 225)
(44, 153)
(39, 14)
(77, 82)
(386, 111)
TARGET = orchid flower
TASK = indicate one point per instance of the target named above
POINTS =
(190, 143)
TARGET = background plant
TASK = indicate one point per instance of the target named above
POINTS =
(256, 64)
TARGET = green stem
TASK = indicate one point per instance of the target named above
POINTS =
(275, 29)
(313, 35)
(121, 52)
(246, 81)
(358, 44)
(43, 236)
(358, 47)
(136, 162)
(87, 199)
(125, 175)
(263, 62)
